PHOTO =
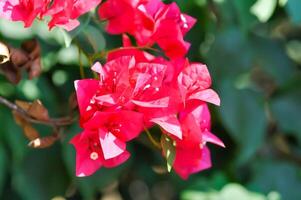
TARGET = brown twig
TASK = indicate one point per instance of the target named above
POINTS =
(54, 122)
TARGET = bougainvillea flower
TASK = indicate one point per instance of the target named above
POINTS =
(103, 141)
(89, 154)
(192, 155)
(64, 13)
(194, 82)
(141, 83)
(140, 56)
(191, 160)
(85, 91)
(149, 21)
(23, 10)
(124, 81)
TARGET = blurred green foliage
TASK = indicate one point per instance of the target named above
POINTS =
(253, 51)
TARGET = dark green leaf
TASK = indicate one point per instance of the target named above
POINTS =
(242, 112)
(245, 18)
(286, 110)
(91, 40)
(69, 36)
(3, 167)
(271, 56)
(271, 175)
(293, 8)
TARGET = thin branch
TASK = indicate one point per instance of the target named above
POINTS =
(64, 121)
(150, 137)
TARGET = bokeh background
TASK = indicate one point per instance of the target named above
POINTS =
(253, 51)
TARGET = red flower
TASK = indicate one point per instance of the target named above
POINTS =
(194, 82)
(192, 155)
(64, 13)
(175, 101)
(23, 10)
(103, 141)
(149, 21)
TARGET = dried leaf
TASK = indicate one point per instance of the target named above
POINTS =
(19, 119)
(30, 132)
(43, 142)
(18, 57)
(4, 53)
(11, 68)
(23, 104)
(27, 57)
(35, 69)
(11, 72)
(32, 48)
(72, 101)
(159, 169)
(38, 111)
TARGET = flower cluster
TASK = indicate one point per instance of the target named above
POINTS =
(149, 21)
(63, 13)
(136, 90)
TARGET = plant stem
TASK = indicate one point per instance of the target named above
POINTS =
(64, 121)
(150, 137)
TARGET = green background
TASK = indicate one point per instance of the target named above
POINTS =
(253, 51)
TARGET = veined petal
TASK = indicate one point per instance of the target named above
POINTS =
(170, 124)
(158, 103)
(111, 146)
(209, 137)
(207, 95)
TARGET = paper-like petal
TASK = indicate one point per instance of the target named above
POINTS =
(85, 90)
(129, 123)
(113, 162)
(170, 124)
(158, 103)
(207, 95)
(97, 67)
(193, 160)
(85, 166)
(111, 146)
(209, 137)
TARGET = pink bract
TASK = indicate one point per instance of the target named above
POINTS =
(63, 13)
(103, 141)
(149, 21)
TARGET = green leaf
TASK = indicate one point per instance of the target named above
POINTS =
(264, 9)
(69, 36)
(293, 8)
(91, 40)
(41, 175)
(245, 18)
(3, 167)
(293, 49)
(242, 113)
(280, 176)
(229, 192)
(14, 30)
(13, 136)
(286, 108)
(230, 54)
(169, 150)
(270, 55)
